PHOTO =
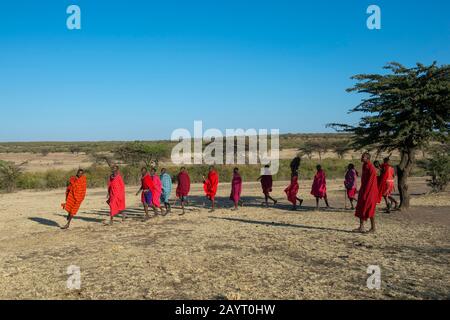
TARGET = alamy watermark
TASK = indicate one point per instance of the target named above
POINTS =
(74, 280)
(208, 147)
(374, 279)
(73, 21)
(374, 20)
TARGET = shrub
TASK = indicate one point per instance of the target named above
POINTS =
(9, 175)
(438, 168)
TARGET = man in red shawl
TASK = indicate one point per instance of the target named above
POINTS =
(183, 187)
(156, 199)
(350, 184)
(210, 186)
(146, 191)
(319, 187)
(75, 194)
(292, 190)
(368, 194)
(236, 188)
(266, 185)
(386, 185)
(116, 194)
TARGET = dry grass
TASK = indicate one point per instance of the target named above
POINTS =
(255, 253)
(36, 162)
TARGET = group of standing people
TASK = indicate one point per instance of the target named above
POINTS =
(156, 189)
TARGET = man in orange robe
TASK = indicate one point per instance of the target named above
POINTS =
(368, 194)
(386, 185)
(75, 194)
(210, 186)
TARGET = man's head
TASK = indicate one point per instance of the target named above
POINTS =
(386, 160)
(115, 169)
(319, 167)
(182, 169)
(211, 168)
(376, 163)
(365, 157)
(143, 171)
(80, 173)
(152, 171)
(163, 170)
(236, 170)
(351, 166)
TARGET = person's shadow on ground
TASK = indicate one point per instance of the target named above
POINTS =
(45, 222)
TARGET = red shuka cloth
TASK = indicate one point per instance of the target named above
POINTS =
(319, 186)
(184, 184)
(116, 191)
(266, 184)
(350, 183)
(156, 192)
(210, 185)
(292, 190)
(236, 187)
(75, 194)
(368, 192)
(146, 184)
(386, 181)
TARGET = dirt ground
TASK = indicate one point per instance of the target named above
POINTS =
(254, 253)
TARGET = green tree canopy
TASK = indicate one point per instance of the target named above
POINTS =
(404, 110)
(138, 152)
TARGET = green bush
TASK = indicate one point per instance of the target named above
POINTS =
(438, 168)
(10, 174)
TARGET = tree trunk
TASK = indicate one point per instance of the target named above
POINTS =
(408, 158)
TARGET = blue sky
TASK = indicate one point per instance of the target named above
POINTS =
(137, 70)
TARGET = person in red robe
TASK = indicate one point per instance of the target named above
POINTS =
(146, 191)
(292, 191)
(210, 185)
(116, 194)
(236, 188)
(266, 185)
(386, 185)
(183, 187)
(319, 187)
(368, 194)
(350, 184)
(157, 191)
(75, 194)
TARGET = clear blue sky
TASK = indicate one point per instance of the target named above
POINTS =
(140, 69)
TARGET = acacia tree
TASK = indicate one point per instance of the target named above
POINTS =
(404, 110)
(137, 152)
(307, 148)
(341, 147)
(311, 146)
